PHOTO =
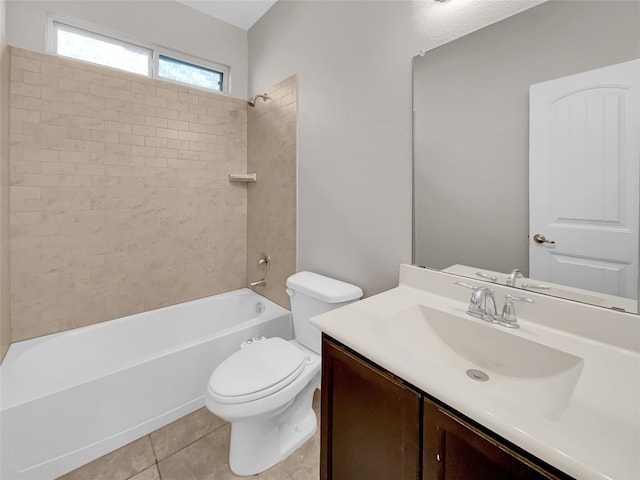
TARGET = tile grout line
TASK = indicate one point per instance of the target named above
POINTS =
(158, 470)
(153, 449)
(155, 457)
(185, 446)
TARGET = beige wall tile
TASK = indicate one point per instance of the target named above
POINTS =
(98, 214)
(271, 223)
(134, 172)
(5, 321)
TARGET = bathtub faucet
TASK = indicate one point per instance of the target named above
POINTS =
(258, 283)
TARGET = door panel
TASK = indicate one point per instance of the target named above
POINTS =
(584, 156)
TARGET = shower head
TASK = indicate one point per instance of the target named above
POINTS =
(252, 101)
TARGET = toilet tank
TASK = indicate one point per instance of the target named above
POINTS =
(312, 294)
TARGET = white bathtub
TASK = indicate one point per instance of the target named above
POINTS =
(71, 397)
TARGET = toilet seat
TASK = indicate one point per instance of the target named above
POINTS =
(256, 371)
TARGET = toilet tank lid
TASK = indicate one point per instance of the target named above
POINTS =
(323, 288)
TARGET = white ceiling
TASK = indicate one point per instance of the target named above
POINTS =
(241, 13)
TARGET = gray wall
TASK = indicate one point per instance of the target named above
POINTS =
(353, 61)
(472, 113)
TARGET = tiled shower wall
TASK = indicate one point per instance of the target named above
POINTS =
(119, 194)
(272, 199)
(5, 322)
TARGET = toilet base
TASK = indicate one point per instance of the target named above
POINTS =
(259, 444)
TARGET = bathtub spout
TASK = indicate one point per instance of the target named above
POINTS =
(258, 283)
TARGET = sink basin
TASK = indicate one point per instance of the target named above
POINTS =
(536, 377)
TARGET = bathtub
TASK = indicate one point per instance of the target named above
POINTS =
(71, 397)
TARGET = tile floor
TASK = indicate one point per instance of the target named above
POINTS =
(195, 447)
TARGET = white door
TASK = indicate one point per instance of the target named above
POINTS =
(584, 153)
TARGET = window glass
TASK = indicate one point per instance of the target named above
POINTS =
(184, 72)
(102, 50)
(109, 50)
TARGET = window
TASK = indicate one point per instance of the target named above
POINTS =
(82, 45)
(104, 49)
(184, 72)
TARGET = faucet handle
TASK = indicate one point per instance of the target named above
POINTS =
(511, 298)
(476, 296)
(508, 317)
(541, 286)
(466, 285)
(491, 278)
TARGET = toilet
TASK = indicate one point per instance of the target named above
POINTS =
(265, 389)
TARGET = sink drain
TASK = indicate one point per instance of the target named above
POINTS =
(477, 375)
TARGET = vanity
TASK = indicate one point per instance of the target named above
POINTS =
(414, 387)
(416, 384)
(420, 436)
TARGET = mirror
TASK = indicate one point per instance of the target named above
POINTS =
(471, 139)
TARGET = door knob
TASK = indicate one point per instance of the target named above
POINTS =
(538, 238)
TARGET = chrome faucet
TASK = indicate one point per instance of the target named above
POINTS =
(482, 305)
(513, 276)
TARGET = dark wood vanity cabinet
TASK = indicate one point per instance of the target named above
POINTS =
(376, 427)
(370, 422)
(453, 449)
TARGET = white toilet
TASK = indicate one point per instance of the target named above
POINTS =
(266, 388)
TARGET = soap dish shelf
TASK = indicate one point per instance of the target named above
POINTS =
(242, 177)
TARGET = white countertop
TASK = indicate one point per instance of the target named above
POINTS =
(597, 434)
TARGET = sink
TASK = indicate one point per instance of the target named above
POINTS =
(563, 387)
(536, 377)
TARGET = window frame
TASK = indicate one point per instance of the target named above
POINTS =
(196, 62)
(155, 51)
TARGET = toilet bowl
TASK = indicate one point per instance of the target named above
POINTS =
(270, 415)
(266, 388)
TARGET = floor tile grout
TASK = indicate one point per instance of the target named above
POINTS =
(155, 457)
(158, 469)
(187, 445)
(153, 449)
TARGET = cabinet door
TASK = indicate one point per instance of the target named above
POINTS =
(455, 450)
(370, 421)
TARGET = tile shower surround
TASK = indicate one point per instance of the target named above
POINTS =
(119, 195)
(5, 322)
(272, 200)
